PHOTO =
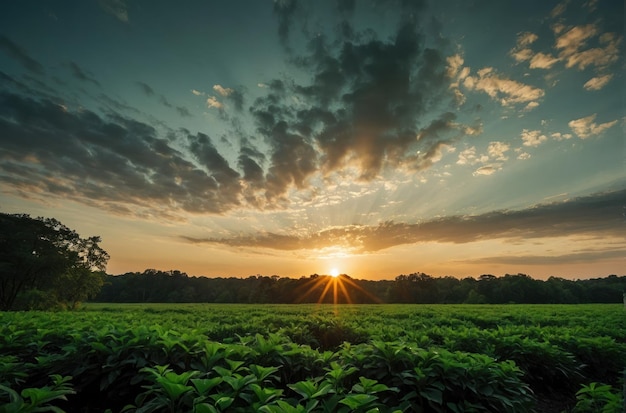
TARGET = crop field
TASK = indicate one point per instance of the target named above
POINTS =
(314, 358)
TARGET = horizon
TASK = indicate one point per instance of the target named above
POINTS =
(285, 137)
(339, 276)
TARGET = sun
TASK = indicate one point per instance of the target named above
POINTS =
(334, 272)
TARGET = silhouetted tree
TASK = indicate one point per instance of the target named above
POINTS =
(43, 261)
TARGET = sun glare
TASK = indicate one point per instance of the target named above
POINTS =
(334, 272)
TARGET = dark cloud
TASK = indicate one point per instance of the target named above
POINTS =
(237, 98)
(600, 215)
(17, 53)
(114, 162)
(80, 74)
(114, 105)
(9, 82)
(364, 104)
(284, 10)
(581, 257)
(145, 88)
(183, 111)
(229, 186)
(149, 91)
(165, 102)
(249, 161)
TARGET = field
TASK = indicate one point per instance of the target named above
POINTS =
(314, 358)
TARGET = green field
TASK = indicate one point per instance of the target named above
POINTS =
(314, 358)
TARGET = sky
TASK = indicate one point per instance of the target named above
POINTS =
(292, 137)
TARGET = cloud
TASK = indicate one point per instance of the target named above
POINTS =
(559, 9)
(183, 111)
(222, 91)
(113, 163)
(116, 8)
(586, 127)
(598, 82)
(145, 88)
(149, 91)
(228, 186)
(497, 150)
(542, 61)
(521, 52)
(359, 105)
(455, 63)
(80, 74)
(234, 96)
(558, 136)
(17, 53)
(526, 38)
(522, 55)
(457, 73)
(575, 38)
(572, 45)
(501, 89)
(598, 215)
(532, 138)
(467, 156)
(212, 102)
(284, 10)
(487, 169)
(530, 106)
(582, 257)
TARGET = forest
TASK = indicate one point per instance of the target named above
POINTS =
(418, 288)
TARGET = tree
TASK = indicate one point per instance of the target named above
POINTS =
(43, 255)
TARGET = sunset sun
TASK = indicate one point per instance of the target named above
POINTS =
(334, 272)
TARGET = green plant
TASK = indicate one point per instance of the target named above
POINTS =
(598, 398)
(36, 399)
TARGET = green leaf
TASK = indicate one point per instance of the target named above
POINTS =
(264, 395)
(304, 388)
(204, 408)
(13, 396)
(237, 382)
(182, 378)
(224, 402)
(43, 395)
(354, 401)
(261, 372)
(173, 390)
(203, 386)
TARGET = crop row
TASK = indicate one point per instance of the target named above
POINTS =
(311, 359)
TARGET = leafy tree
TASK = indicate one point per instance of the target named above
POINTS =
(41, 255)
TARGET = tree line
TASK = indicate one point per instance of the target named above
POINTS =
(176, 287)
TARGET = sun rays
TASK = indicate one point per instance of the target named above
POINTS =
(335, 289)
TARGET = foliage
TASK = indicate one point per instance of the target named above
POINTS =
(236, 358)
(36, 399)
(598, 398)
(152, 286)
(42, 257)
